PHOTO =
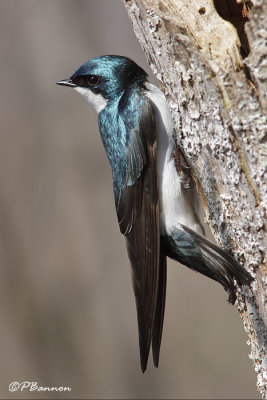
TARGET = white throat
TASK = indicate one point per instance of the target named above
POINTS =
(96, 100)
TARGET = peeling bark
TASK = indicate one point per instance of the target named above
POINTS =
(218, 101)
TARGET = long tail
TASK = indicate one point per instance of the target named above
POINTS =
(199, 254)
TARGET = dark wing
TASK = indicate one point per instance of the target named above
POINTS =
(160, 308)
(137, 206)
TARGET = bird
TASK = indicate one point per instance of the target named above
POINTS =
(155, 198)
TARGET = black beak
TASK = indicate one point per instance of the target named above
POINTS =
(66, 82)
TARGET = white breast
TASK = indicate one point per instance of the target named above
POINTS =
(176, 206)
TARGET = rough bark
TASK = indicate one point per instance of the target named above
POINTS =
(211, 59)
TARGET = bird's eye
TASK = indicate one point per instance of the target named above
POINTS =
(92, 80)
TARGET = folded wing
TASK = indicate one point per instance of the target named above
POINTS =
(137, 206)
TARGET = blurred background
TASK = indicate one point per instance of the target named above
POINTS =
(66, 303)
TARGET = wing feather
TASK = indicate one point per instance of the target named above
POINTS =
(137, 208)
(160, 308)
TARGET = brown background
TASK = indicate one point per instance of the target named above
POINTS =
(66, 304)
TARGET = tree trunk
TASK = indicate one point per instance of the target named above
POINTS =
(211, 60)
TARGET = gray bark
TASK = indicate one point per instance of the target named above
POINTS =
(213, 70)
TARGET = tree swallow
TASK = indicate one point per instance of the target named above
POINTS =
(154, 195)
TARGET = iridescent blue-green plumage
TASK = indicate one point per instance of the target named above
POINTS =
(123, 141)
(155, 218)
(117, 73)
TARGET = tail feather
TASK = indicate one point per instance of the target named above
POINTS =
(199, 254)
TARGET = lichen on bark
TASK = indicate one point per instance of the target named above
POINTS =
(210, 59)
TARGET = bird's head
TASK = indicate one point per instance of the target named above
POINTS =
(104, 78)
